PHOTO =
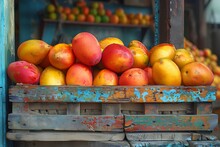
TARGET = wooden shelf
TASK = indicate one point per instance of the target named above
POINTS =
(96, 24)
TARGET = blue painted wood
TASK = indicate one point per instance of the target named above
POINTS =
(113, 94)
(7, 54)
(156, 21)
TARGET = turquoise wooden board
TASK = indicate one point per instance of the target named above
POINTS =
(88, 123)
(113, 94)
(153, 123)
(7, 54)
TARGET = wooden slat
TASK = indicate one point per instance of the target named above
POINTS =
(90, 108)
(122, 94)
(204, 143)
(66, 122)
(203, 108)
(132, 108)
(159, 136)
(71, 144)
(134, 123)
(73, 108)
(65, 136)
(111, 109)
(176, 143)
(169, 108)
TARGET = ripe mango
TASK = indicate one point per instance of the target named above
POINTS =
(166, 72)
(33, 51)
(196, 74)
(23, 72)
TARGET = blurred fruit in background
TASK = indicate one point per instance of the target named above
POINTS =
(51, 8)
(99, 12)
(206, 57)
(114, 19)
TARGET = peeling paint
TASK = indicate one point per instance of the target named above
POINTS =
(140, 94)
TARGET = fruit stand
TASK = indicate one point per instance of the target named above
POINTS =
(119, 115)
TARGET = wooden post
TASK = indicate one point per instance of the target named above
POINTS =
(7, 54)
(170, 20)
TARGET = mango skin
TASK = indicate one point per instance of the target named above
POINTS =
(117, 58)
(133, 77)
(23, 72)
(105, 77)
(166, 72)
(163, 50)
(33, 51)
(86, 48)
(52, 76)
(196, 74)
(79, 74)
(61, 56)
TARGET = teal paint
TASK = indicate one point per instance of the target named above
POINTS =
(144, 96)
(7, 54)
(156, 21)
(110, 94)
(137, 93)
(198, 123)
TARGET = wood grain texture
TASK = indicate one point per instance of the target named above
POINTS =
(159, 136)
(135, 123)
(66, 122)
(7, 54)
(64, 136)
(71, 144)
(113, 94)
(204, 143)
(167, 143)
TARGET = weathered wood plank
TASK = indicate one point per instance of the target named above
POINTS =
(171, 22)
(71, 144)
(204, 143)
(169, 108)
(176, 143)
(111, 109)
(132, 108)
(134, 123)
(203, 108)
(159, 136)
(73, 108)
(65, 136)
(66, 122)
(139, 94)
(90, 108)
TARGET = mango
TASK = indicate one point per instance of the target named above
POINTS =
(163, 50)
(109, 40)
(133, 77)
(61, 56)
(117, 58)
(105, 77)
(52, 76)
(138, 44)
(33, 51)
(166, 72)
(196, 74)
(140, 57)
(183, 57)
(23, 72)
(86, 48)
(79, 74)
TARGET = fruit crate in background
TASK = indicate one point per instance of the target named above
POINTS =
(110, 112)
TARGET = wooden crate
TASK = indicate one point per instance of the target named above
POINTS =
(45, 113)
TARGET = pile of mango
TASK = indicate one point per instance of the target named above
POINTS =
(208, 58)
(87, 61)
